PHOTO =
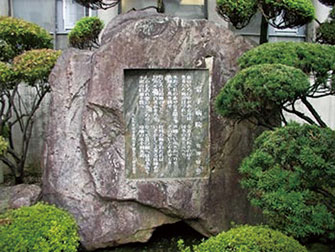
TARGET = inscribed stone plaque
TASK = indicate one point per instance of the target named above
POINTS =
(167, 124)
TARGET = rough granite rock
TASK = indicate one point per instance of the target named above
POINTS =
(17, 196)
(85, 151)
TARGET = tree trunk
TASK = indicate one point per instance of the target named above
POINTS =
(19, 180)
(264, 31)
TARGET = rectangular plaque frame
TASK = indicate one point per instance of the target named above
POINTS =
(167, 123)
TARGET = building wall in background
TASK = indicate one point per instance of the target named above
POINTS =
(3, 8)
(325, 106)
(50, 15)
(40, 12)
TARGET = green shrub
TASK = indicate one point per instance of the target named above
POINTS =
(22, 35)
(35, 65)
(246, 239)
(3, 145)
(325, 33)
(6, 51)
(328, 2)
(238, 12)
(85, 34)
(315, 59)
(7, 76)
(260, 91)
(38, 228)
(292, 12)
(290, 175)
(332, 13)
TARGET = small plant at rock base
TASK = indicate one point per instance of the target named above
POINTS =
(290, 175)
(85, 34)
(247, 238)
(39, 228)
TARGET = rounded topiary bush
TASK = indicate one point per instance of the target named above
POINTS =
(247, 238)
(35, 65)
(85, 34)
(315, 59)
(22, 35)
(238, 12)
(290, 175)
(260, 91)
(38, 228)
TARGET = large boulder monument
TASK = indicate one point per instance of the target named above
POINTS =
(134, 141)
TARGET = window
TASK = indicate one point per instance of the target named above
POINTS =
(252, 31)
(40, 12)
(72, 12)
(68, 13)
(295, 33)
(181, 8)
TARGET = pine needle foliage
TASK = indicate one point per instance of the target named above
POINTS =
(280, 14)
(260, 92)
(85, 34)
(290, 175)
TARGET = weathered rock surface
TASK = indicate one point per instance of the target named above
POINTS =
(17, 196)
(85, 151)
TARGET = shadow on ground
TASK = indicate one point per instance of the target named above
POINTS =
(164, 239)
